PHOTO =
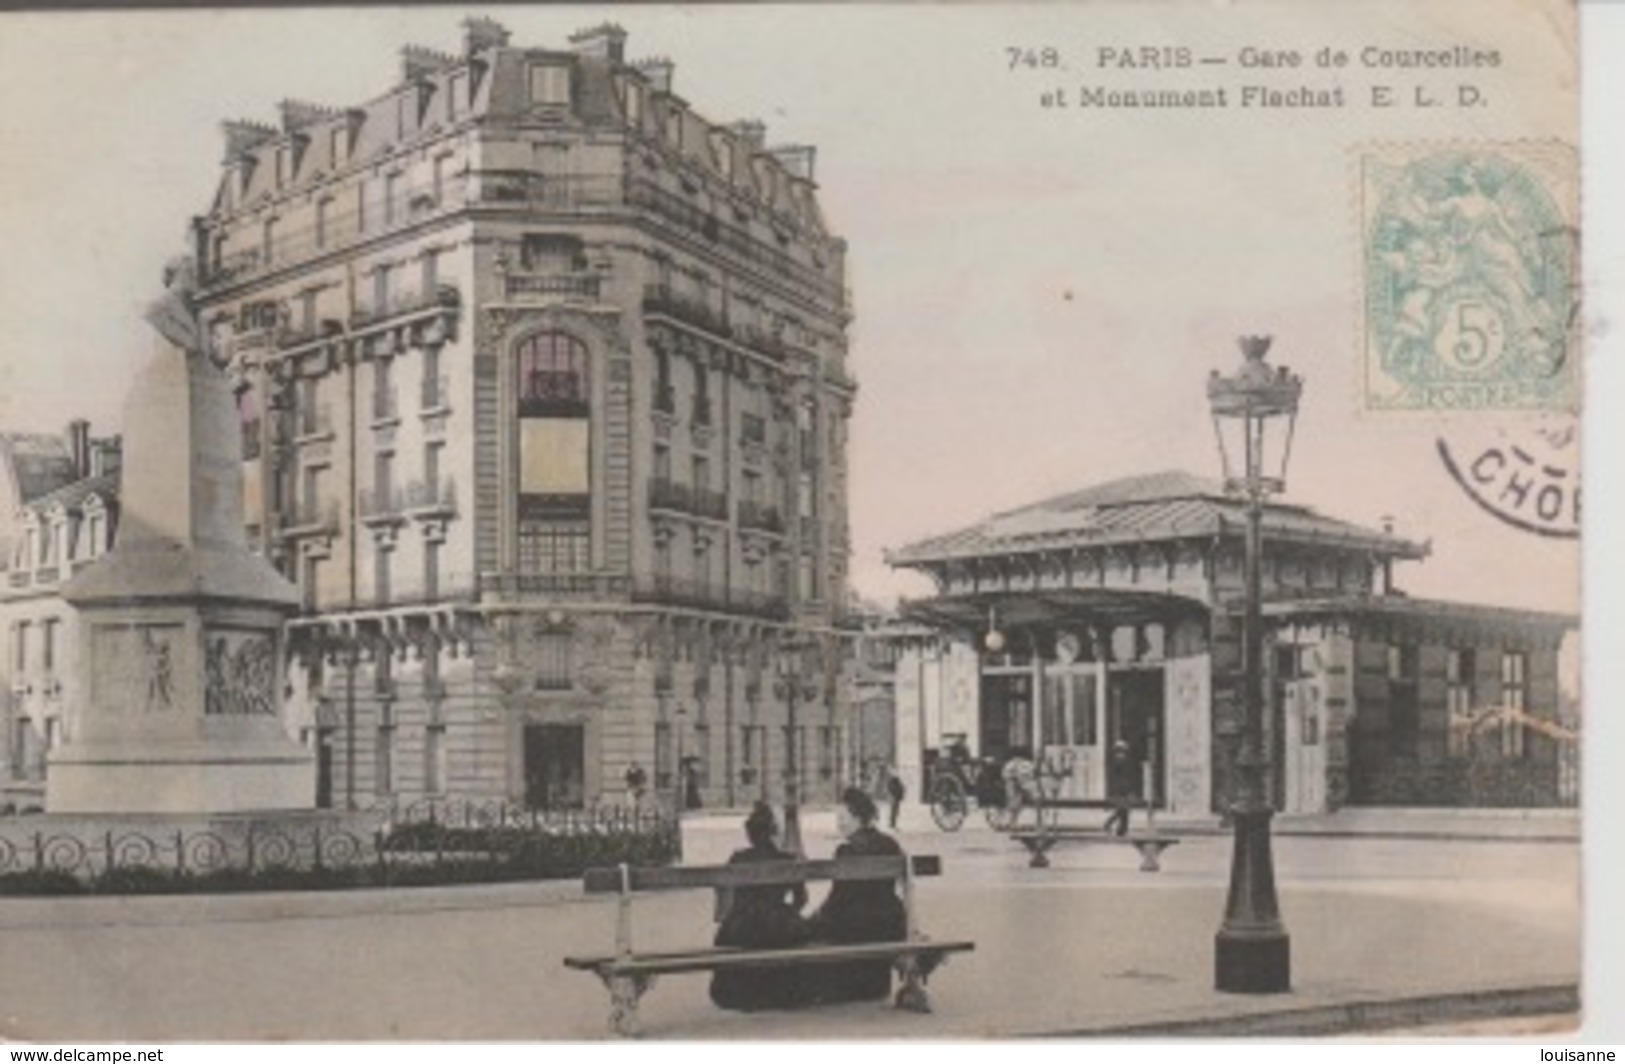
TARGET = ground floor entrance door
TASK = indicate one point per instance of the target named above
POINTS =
(1134, 712)
(1007, 715)
(555, 766)
(1305, 753)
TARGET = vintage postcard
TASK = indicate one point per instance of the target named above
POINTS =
(769, 523)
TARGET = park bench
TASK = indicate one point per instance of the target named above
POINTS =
(628, 974)
(1049, 834)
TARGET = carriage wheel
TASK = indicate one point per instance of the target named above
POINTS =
(948, 804)
(1000, 817)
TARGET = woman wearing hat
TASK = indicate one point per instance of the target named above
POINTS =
(766, 917)
(859, 910)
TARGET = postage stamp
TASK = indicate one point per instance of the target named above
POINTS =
(1471, 283)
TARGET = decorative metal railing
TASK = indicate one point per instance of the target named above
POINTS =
(393, 844)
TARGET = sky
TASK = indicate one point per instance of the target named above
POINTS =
(1039, 294)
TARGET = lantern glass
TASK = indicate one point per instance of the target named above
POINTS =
(1255, 412)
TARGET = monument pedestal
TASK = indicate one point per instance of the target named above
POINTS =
(181, 626)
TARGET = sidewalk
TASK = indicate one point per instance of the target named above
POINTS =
(1088, 948)
(1490, 825)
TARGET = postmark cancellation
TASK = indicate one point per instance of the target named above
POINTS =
(1470, 277)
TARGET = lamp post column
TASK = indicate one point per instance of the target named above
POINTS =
(792, 772)
(1253, 953)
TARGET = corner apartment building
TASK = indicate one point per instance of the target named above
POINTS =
(544, 399)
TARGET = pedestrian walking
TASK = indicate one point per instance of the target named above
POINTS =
(1122, 785)
(895, 792)
(636, 781)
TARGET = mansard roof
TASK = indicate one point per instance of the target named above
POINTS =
(36, 463)
(73, 496)
(1150, 508)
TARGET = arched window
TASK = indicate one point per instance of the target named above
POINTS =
(553, 378)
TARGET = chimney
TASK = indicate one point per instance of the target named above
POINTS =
(659, 72)
(243, 137)
(297, 114)
(418, 62)
(751, 133)
(605, 41)
(797, 159)
(480, 33)
(105, 454)
(78, 435)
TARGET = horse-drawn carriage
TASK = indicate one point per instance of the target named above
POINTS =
(955, 780)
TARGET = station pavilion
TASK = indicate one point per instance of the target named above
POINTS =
(1114, 613)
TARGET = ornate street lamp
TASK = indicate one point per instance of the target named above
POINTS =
(1254, 412)
(792, 687)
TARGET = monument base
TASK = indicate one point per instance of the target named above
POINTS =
(261, 775)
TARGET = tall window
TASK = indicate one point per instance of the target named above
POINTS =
(324, 210)
(553, 389)
(48, 644)
(1458, 678)
(552, 376)
(19, 647)
(1514, 701)
(384, 753)
(550, 84)
(1404, 712)
(434, 758)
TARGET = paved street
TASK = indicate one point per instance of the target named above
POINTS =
(1086, 945)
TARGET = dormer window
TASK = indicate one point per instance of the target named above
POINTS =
(633, 102)
(341, 145)
(550, 84)
(722, 150)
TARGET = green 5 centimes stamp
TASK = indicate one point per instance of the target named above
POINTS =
(1471, 278)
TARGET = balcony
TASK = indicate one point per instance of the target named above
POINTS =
(662, 300)
(430, 498)
(545, 192)
(522, 286)
(710, 504)
(760, 516)
(382, 505)
(666, 590)
(591, 586)
(310, 517)
(440, 299)
(312, 423)
(20, 578)
(678, 591)
(435, 394)
(668, 494)
(385, 405)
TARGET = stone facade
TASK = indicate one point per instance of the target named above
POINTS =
(59, 511)
(544, 399)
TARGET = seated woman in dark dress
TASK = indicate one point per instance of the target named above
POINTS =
(761, 918)
(859, 911)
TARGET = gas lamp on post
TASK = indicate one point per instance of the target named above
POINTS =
(1255, 410)
(793, 686)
